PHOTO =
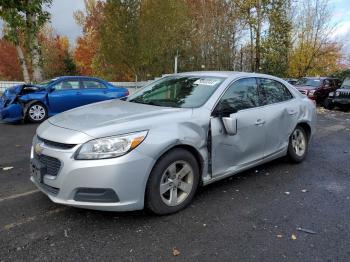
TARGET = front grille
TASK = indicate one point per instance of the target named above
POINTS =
(52, 164)
(56, 144)
(344, 94)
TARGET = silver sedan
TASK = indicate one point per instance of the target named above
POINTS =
(154, 148)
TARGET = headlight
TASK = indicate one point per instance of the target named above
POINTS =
(331, 94)
(311, 93)
(110, 147)
(337, 93)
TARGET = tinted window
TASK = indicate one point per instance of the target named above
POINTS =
(65, 85)
(309, 82)
(178, 91)
(274, 91)
(337, 83)
(327, 82)
(346, 83)
(242, 94)
(93, 84)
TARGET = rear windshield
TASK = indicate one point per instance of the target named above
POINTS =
(178, 91)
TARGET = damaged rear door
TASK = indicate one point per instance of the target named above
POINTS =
(281, 114)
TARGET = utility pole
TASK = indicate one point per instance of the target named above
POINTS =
(241, 61)
(176, 58)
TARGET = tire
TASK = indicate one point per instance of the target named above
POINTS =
(328, 105)
(177, 171)
(36, 113)
(298, 145)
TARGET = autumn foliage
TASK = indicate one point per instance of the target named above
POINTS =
(128, 40)
(9, 65)
(56, 54)
(87, 45)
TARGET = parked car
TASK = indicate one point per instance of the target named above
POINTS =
(291, 81)
(175, 134)
(341, 97)
(37, 102)
(317, 88)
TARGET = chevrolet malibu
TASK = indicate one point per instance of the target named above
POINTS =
(155, 148)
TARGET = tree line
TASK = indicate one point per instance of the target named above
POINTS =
(139, 39)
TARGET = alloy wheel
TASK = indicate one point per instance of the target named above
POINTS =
(299, 142)
(37, 112)
(176, 183)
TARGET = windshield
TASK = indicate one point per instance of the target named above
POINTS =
(309, 82)
(346, 84)
(46, 83)
(178, 91)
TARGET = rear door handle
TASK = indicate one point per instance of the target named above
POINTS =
(78, 93)
(259, 122)
(292, 112)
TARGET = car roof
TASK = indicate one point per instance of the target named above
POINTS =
(228, 74)
(78, 77)
(320, 77)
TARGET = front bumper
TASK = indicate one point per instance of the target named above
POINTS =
(339, 101)
(126, 175)
(11, 113)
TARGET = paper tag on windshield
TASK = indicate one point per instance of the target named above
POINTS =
(207, 82)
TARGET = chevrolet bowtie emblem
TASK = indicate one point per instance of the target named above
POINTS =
(38, 149)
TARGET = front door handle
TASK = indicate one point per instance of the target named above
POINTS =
(78, 93)
(259, 122)
(292, 112)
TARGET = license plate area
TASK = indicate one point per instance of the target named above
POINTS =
(38, 170)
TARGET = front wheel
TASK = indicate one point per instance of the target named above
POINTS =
(328, 105)
(172, 183)
(36, 113)
(298, 145)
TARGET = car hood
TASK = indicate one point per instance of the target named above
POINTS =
(115, 117)
(15, 90)
(344, 90)
(305, 87)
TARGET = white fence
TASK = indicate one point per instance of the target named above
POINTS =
(132, 86)
(6, 84)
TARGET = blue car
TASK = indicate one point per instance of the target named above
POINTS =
(37, 102)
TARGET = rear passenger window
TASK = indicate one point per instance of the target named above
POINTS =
(242, 94)
(274, 91)
(93, 84)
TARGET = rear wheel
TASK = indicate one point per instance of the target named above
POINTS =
(172, 183)
(36, 113)
(298, 145)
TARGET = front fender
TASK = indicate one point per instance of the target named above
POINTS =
(28, 104)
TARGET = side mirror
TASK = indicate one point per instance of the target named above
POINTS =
(230, 124)
(326, 85)
(52, 89)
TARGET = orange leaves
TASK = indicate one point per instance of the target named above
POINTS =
(56, 55)
(84, 54)
(9, 65)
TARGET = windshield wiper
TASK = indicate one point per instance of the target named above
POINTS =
(143, 102)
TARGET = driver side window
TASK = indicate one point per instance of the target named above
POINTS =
(242, 94)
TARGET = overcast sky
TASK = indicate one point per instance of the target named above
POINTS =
(64, 24)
